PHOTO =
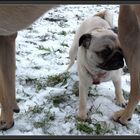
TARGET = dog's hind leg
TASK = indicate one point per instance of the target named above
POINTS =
(7, 81)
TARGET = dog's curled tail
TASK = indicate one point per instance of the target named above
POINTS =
(106, 15)
(72, 55)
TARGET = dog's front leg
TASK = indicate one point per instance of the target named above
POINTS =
(123, 116)
(7, 81)
(83, 93)
(85, 81)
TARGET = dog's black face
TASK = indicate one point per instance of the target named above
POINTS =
(113, 59)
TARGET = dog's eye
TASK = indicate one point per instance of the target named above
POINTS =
(104, 53)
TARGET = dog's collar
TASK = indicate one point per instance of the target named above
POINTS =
(97, 77)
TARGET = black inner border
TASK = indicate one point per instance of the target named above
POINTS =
(69, 2)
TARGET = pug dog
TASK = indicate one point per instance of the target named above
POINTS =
(99, 57)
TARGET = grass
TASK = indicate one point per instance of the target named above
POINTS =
(37, 67)
(29, 80)
(48, 50)
(39, 86)
(58, 99)
(91, 92)
(68, 118)
(96, 110)
(45, 121)
(64, 44)
(101, 128)
(76, 88)
(20, 100)
(36, 109)
(57, 79)
(62, 33)
(39, 124)
(82, 126)
(73, 32)
(50, 116)
(98, 128)
(38, 83)
(51, 81)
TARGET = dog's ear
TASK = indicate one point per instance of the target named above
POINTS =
(115, 30)
(85, 40)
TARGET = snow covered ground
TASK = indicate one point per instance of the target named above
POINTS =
(47, 95)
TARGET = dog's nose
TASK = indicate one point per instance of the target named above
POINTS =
(118, 56)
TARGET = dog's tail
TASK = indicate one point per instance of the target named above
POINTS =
(73, 53)
(106, 15)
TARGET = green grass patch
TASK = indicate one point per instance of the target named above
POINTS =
(57, 79)
(73, 32)
(37, 83)
(64, 44)
(50, 81)
(98, 128)
(68, 118)
(36, 109)
(46, 49)
(62, 33)
(37, 67)
(81, 126)
(76, 88)
(29, 80)
(39, 86)
(43, 122)
(58, 99)
(101, 128)
(39, 124)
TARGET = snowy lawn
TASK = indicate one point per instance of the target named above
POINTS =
(47, 95)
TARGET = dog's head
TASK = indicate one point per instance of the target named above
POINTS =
(103, 51)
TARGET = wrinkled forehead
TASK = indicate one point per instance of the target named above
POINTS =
(103, 32)
(99, 43)
(109, 38)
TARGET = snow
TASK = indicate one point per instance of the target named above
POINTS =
(42, 51)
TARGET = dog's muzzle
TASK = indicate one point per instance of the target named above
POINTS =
(113, 62)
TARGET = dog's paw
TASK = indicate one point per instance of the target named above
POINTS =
(82, 116)
(121, 117)
(121, 102)
(6, 119)
(6, 125)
